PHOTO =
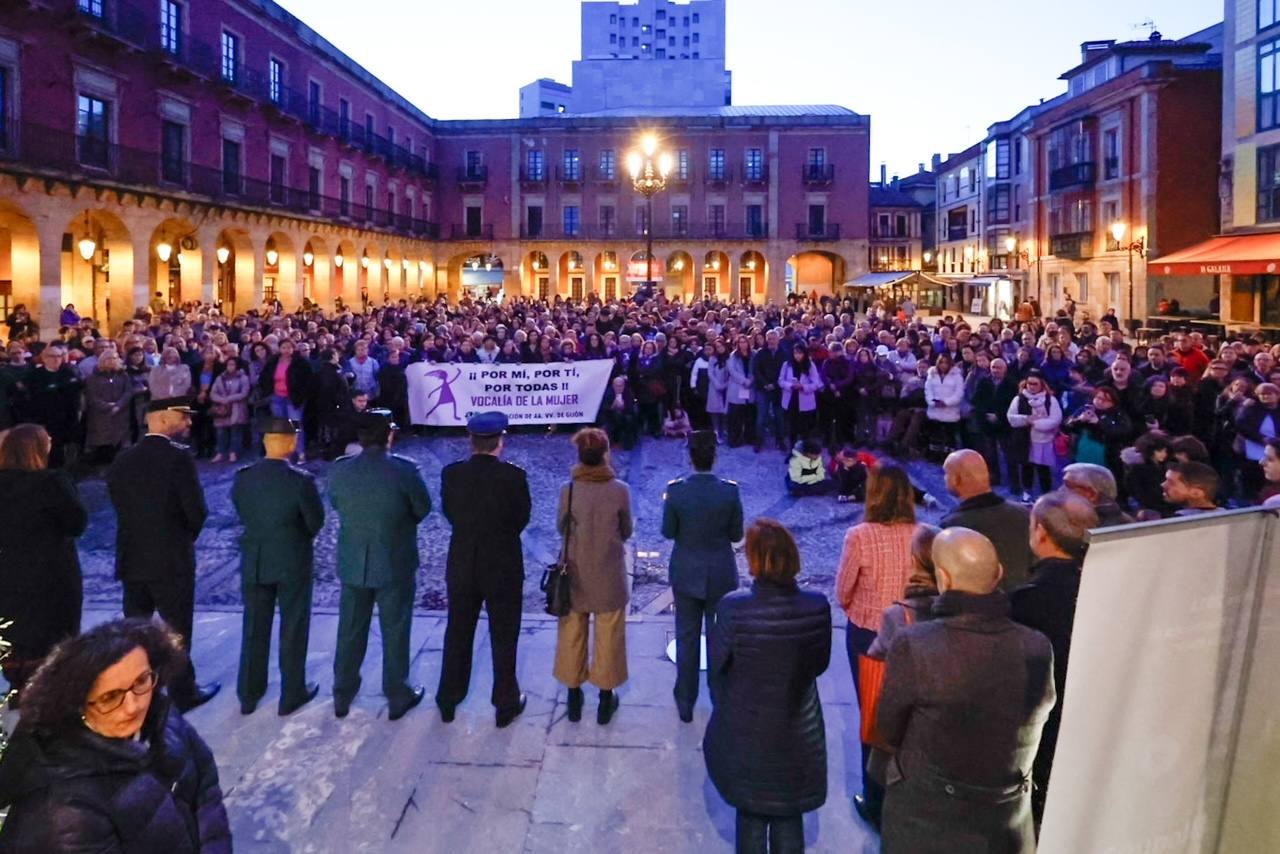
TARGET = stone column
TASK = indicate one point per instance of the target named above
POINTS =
(49, 270)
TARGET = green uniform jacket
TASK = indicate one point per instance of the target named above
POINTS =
(703, 514)
(380, 499)
(281, 510)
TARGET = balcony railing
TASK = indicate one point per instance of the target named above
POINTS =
(755, 177)
(46, 150)
(718, 176)
(532, 179)
(959, 232)
(606, 176)
(569, 177)
(878, 233)
(633, 233)
(1075, 245)
(464, 232)
(1075, 175)
(818, 174)
(808, 231)
(475, 175)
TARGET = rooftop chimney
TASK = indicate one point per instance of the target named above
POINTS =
(1088, 50)
(922, 166)
(937, 161)
(884, 175)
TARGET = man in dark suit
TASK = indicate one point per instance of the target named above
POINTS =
(980, 509)
(160, 510)
(380, 499)
(703, 514)
(281, 511)
(1060, 523)
(965, 697)
(487, 502)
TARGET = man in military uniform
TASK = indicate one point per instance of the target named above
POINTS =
(487, 502)
(281, 510)
(703, 514)
(380, 499)
(160, 510)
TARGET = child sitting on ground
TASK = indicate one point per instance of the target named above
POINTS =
(806, 474)
(848, 471)
(676, 425)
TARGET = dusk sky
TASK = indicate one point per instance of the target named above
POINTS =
(933, 74)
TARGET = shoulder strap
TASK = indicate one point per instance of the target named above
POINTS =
(568, 529)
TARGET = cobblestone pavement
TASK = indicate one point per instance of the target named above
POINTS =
(818, 523)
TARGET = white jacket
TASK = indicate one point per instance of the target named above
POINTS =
(944, 395)
(1043, 430)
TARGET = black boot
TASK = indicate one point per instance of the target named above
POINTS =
(575, 704)
(608, 705)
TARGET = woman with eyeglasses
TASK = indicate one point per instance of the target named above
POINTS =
(100, 761)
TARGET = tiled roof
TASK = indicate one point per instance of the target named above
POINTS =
(882, 198)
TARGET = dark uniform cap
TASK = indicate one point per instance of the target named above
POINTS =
(702, 440)
(371, 419)
(281, 426)
(484, 424)
(171, 404)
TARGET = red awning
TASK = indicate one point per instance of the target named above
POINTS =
(1241, 255)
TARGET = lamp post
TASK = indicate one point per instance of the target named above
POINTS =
(1139, 246)
(649, 170)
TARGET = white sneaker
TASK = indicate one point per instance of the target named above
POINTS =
(1026, 497)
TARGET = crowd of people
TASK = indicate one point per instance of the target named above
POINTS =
(974, 615)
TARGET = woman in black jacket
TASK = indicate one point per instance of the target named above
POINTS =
(765, 747)
(285, 383)
(40, 587)
(100, 761)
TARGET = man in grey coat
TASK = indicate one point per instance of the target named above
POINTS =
(964, 701)
(703, 514)
(1002, 522)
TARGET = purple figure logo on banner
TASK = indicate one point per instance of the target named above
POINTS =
(443, 393)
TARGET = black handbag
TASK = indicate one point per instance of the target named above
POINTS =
(555, 578)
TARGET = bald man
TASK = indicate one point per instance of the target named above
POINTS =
(1001, 521)
(965, 698)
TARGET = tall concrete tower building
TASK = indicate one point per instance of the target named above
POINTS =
(649, 54)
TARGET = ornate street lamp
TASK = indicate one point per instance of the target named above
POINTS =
(1139, 247)
(649, 169)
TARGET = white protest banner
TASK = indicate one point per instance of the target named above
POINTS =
(556, 393)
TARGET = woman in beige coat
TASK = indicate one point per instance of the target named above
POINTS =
(597, 529)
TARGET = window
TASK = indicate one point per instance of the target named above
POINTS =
(534, 166)
(716, 164)
(344, 196)
(755, 164)
(998, 204)
(230, 57)
(696, 18)
(474, 165)
(613, 19)
(93, 130)
(533, 221)
(277, 179)
(391, 202)
(1017, 156)
(686, 41)
(91, 7)
(276, 80)
(1110, 214)
(344, 118)
(680, 219)
(608, 164)
(1017, 203)
(173, 152)
(1113, 290)
(635, 41)
(661, 14)
(1111, 153)
(313, 102)
(613, 38)
(900, 226)
(368, 201)
(660, 53)
(368, 130)
(1082, 287)
(883, 229)
(682, 164)
(817, 162)
(572, 220)
(1269, 183)
(755, 221)
(998, 160)
(230, 166)
(170, 27)
(608, 220)
(695, 54)
(572, 165)
(695, 38)
(1268, 13)
(313, 188)
(715, 219)
(817, 220)
(475, 220)
(635, 22)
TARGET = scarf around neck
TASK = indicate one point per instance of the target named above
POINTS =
(602, 473)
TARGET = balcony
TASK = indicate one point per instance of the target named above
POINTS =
(473, 177)
(569, 179)
(112, 24)
(533, 179)
(718, 177)
(1076, 245)
(1111, 168)
(1074, 175)
(36, 149)
(756, 178)
(465, 232)
(955, 233)
(678, 180)
(878, 233)
(811, 232)
(818, 174)
(605, 177)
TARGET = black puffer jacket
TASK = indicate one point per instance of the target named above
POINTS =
(81, 792)
(766, 747)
